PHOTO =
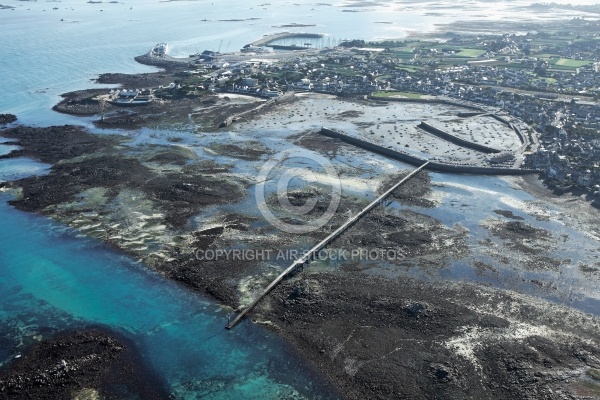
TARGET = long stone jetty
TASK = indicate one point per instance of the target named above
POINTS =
(323, 243)
(455, 139)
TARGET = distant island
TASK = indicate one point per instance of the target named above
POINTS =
(590, 8)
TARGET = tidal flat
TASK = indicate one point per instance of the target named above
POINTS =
(485, 298)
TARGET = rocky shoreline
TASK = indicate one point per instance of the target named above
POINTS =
(405, 339)
(98, 161)
(370, 335)
(7, 119)
(393, 337)
(88, 363)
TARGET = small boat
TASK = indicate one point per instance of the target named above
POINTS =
(160, 50)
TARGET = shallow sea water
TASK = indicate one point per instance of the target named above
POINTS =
(53, 279)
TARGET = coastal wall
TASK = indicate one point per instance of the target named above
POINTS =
(417, 161)
(165, 62)
(478, 111)
(283, 47)
(456, 140)
(431, 101)
(470, 114)
(265, 40)
(509, 124)
(500, 119)
(518, 132)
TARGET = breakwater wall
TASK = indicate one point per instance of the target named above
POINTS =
(430, 101)
(510, 125)
(265, 40)
(310, 255)
(165, 62)
(283, 47)
(477, 111)
(456, 140)
(518, 132)
(417, 161)
(471, 114)
(499, 118)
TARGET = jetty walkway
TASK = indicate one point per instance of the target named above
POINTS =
(307, 256)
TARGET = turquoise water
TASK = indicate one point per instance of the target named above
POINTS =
(17, 168)
(51, 280)
(7, 148)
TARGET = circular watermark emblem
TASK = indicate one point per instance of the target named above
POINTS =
(315, 169)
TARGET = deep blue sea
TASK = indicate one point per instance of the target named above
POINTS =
(52, 278)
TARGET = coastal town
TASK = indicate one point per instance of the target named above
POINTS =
(547, 84)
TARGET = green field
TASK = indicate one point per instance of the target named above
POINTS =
(408, 68)
(549, 81)
(470, 53)
(568, 63)
(403, 54)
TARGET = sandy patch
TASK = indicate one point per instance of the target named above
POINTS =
(245, 98)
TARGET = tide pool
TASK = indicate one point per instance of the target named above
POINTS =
(17, 168)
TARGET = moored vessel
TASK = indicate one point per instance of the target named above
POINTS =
(160, 50)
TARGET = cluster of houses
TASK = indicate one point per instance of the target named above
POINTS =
(349, 86)
(357, 71)
(270, 79)
(568, 161)
(522, 75)
(561, 102)
(130, 97)
(140, 97)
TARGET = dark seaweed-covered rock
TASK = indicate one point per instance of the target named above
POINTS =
(93, 359)
(7, 118)
(55, 143)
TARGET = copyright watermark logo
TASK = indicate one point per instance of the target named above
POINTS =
(290, 255)
(296, 165)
